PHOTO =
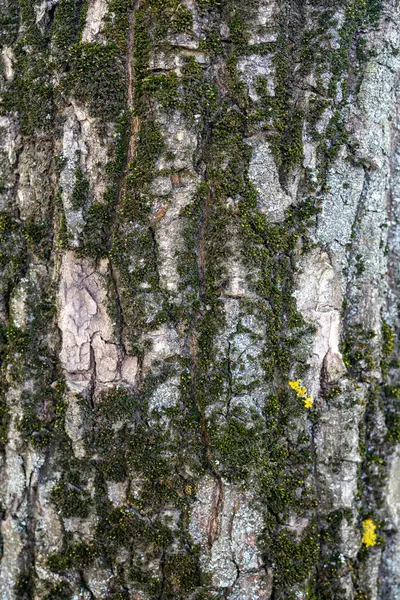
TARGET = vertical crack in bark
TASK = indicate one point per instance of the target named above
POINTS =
(85, 585)
(202, 248)
(93, 375)
(218, 499)
(230, 381)
(134, 127)
(230, 529)
(31, 527)
(391, 200)
(357, 220)
(318, 518)
(120, 315)
(156, 259)
(162, 569)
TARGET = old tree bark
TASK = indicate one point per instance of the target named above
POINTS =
(199, 205)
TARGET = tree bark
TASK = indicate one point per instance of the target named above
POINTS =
(199, 299)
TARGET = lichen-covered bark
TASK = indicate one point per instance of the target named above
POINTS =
(199, 208)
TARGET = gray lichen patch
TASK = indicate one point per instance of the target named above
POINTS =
(263, 173)
(94, 23)
(8, 149)
(226, 527)
(254, 67)
(319, 300)
(84, 154)
(180, 186)
(264, 28)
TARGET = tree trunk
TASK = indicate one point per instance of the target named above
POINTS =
(199, 297)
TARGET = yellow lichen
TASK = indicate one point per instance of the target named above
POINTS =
(308, 401)
(369, 535)
(295, 384)
(301, 392)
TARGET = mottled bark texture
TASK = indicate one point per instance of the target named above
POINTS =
(199, 203)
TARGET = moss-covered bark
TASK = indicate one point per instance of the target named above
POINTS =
(198, 207)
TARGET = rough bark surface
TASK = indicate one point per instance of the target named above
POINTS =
(199, 203)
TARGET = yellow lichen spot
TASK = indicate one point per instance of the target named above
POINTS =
(308, 401)
(301, 392)
(295, 384)
(369, 535)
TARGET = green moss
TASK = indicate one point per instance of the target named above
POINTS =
(181, 21)
(25, 584)
(96, 78)
(182, 575)
(63, 236)
(280, 111)
(356, 349)
(236, 445)
(240, 448)
(4, 421)
(158, 458)
(141, 49)
(65, 27)
(30, 92)
(199, 94)
(124, 526)
(117, 22)
(95, 235)
(74, 556)
(134, 235)
(268, 247)
(80, 193)
(207, 4)
(170, 17)
(392, 413)
(238, 32)
(372, 481)
(388, 339)
(9, 23)
(159, 449)
(81, 555)
(332, 564)
(212, 43)
(307, 45)
(61, 591)
(332, 392)
(36, 233)
(31, 427)
(293, 560)
(24, 352)
(150, 147)
(112, 462)
(39, 426)
(115, 166)
(163, 89)
(71, 499)
(95, 239)
(333, 140)
(150, 451)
